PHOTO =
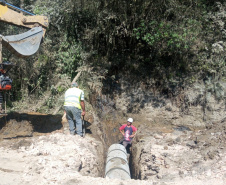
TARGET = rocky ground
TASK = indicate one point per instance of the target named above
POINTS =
(52, 158)
(166, 155)
(181, 154)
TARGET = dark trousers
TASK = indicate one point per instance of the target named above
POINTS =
(127, 145)
(73, 115)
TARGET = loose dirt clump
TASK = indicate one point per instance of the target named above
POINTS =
(15, 129)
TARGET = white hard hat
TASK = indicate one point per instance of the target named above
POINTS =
(130, 120)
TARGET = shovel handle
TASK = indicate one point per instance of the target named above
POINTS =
(83, 127)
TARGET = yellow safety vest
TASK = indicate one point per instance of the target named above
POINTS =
(73, 97)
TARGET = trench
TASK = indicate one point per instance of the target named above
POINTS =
(113, 136)
(41, 124)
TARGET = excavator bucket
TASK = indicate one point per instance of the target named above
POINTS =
(25, 44)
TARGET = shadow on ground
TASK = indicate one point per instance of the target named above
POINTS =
(26, 124)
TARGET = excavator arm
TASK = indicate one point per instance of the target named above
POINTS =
(27, 43)
(22, 45)
(11, 16)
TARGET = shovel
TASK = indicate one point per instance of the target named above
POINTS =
(83, 127)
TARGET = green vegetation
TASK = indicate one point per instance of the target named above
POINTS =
(68, 58)
(170, 42)
(164, 36)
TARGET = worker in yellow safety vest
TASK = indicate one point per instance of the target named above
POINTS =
(74, 107)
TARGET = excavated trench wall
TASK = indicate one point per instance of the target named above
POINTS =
(24, 129)
(195, 107)
(149, 110)
(23, 125)
(109, 134)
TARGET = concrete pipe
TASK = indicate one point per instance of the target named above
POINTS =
(117, 166)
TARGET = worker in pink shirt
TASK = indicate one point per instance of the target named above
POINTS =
(128, 131)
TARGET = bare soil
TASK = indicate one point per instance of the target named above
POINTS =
(38, 149)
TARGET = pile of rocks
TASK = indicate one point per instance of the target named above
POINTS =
(182, 155)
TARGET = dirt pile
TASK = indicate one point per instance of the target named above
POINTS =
(181, 154)
(50, 158)
(176, 155)
(55, 158)
(29, 124)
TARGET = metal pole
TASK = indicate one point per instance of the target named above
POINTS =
(0, 49)
(1, 58)
(5, 101)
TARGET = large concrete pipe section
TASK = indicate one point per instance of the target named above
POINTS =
(117, 166)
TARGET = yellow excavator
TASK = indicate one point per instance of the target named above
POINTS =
(22, 45)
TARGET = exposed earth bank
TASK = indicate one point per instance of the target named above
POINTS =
(32, 154)
(172, 155)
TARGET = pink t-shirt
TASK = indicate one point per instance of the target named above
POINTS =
(128, 131)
